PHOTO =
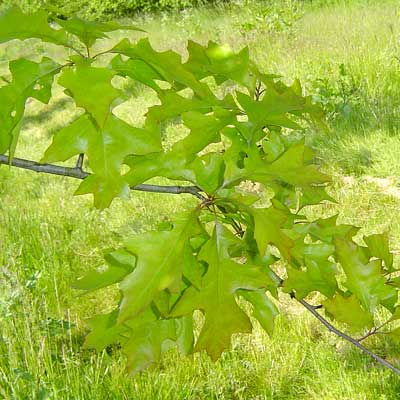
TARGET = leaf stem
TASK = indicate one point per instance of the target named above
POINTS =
(77, 173)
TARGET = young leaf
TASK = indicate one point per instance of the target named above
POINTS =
(348, 311)
(216, 298)
(364, 278)
(16, 25)
(106, 148)
(29, 80)
(160, 257)
(91, 89)
(89, 31)
(264, 310)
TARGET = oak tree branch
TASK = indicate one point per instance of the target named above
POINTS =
(313, 310)
(353, 341)
(78, 173)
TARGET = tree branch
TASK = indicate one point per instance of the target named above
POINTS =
(353, 341)
(331, 328)
(78, 173)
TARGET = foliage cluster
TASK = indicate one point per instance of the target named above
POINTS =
(238, 249)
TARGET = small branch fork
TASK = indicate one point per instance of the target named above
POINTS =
(78, 173)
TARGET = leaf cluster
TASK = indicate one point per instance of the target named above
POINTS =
(246, 242)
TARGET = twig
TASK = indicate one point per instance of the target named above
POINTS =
(373, 331)
(79, 161)
(78, 173)
(353, 341)
(331, 328)
(258, 91)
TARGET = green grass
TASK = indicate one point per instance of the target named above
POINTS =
(48, 237)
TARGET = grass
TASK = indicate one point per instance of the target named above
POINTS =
(345, 54)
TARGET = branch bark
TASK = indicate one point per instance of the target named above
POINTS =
(78, 173)
(313, 310)
(353, 341)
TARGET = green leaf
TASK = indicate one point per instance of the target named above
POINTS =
(318, 275)
(120, 264)
(378, 245)
(209, 171)
(147, 339)
(273, 146)
(394, 334)
(272, 110)
(106, 148)
(327, 229)
(175, 164)
(16, 25)
(347, 310)
(89, 31)
(364, 278)
(184, 333)
(313, 195)
(311, 251)
(268, 229)
(292, 167)
(264, 310)
(29, 80)
(91, 89)
(220, 62)
(104, 331)
(159, 266)
(137, 70)
(396, 315)
(174, 105)
(168, 65)
(144, 339)
(216, 297)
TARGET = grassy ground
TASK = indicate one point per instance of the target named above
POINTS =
(346, 55)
